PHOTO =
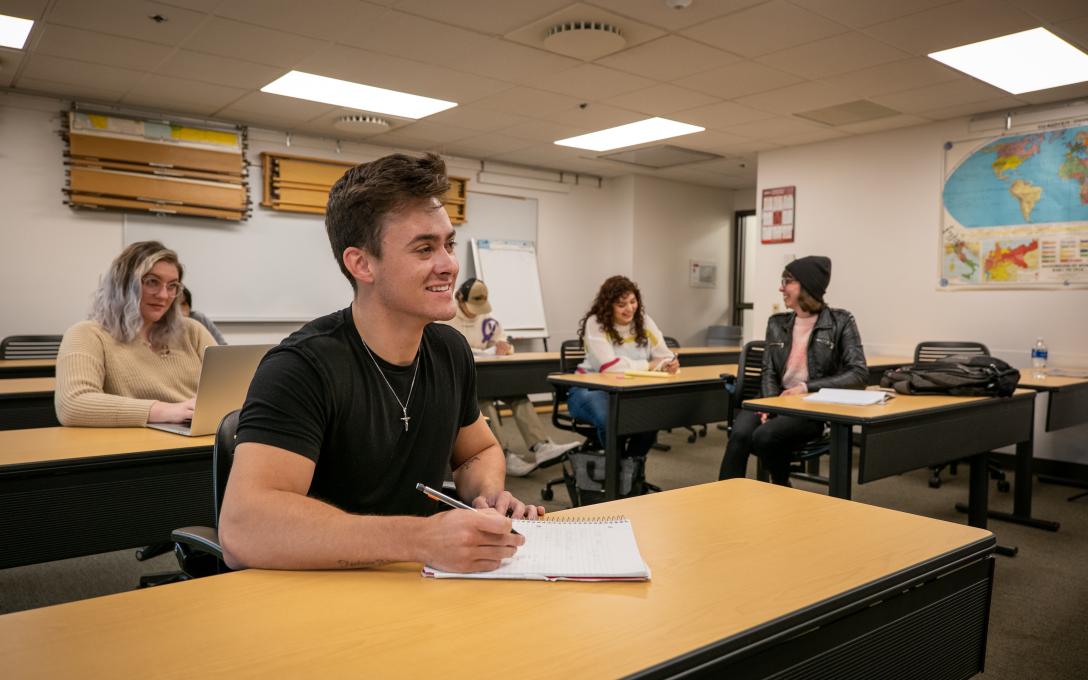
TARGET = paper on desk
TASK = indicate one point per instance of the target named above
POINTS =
(830, 395)
(489, 352)
(648, 374)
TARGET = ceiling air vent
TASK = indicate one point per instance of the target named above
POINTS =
(585, 40)
(660, 156)
(858, 111)
(359, 124)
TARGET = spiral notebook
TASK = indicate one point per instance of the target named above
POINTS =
(569, 549)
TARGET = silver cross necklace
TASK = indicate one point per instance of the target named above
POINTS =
(403, 404)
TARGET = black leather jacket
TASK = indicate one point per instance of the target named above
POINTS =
(835, 354)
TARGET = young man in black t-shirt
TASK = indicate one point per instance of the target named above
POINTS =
(346, 415)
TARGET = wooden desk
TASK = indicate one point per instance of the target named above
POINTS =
(66, 492)
(1067, 404)
(527, 372)
(748, 580)
(26, 403)
(878, 364)
(695, 395)
(28, 368)
(912, 432)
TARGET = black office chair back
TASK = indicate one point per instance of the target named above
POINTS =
(223, 457)
(571, 353)
(749, 380)
(30, 347)
(671, 342)
(937, 350)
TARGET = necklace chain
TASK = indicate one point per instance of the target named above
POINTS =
(403, 404)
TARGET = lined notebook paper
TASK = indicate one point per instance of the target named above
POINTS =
(829, 395)
(575, 549)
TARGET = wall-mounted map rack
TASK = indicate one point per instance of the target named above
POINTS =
(123, 163)
(301, 184)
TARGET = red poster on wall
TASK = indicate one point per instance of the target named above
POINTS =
(778, 209)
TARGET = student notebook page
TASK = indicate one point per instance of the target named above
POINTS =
(590, 548)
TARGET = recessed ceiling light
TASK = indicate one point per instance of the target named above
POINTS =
(1020, 62)
(355, 95)
(649, 130)
(13, 31)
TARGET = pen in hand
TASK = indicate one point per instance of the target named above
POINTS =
(448, 500)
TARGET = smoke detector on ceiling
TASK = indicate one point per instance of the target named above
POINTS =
(360, 124)
(585, 40)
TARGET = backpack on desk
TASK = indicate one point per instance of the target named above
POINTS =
(959, 375)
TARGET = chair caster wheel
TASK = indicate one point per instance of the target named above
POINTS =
(1003, 486)
(547, 494)
(691, 438)
(934, 482)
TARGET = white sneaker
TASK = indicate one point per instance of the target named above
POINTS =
(517, 466)
(548, 450)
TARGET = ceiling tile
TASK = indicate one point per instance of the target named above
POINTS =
(9, 65)
(657, 13)
(811, 137)
(322, 19)
(738, 80)
(513, 63)
(1076, 32)
(57, 70)
(484, 146)
(543, 131)
(721, 115)
(219, 70)
(775, 129)
(494, 17)
(25, 9)
(591, 82)
(765, 28)
(711, 141)
(801, 97)
(100, 48)
(1056, 94)
(834, 55)
(959, 23)
(70, 91)
(234, 39)
(939, 96)
(596, 116)
(661, 100)
(1004, 103)
(861, 13)
(395, 73)
(475, 118)
(669, 58)
(127, 18)
(900, 75)
(1054, 11)
(287, 108)
(188, 95)
(882, 124)
(527, 102)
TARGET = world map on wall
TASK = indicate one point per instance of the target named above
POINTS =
(1016, 210)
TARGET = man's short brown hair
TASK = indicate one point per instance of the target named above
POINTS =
(367, 194)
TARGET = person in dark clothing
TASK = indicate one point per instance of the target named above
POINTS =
(810, 347)
(346, 415)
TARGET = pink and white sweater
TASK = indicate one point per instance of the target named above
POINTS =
(603, 356)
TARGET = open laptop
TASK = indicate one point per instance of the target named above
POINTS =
(224, 382)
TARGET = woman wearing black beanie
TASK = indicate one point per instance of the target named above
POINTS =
(807, 348)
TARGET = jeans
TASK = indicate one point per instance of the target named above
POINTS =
(591, 406)
(774, 442)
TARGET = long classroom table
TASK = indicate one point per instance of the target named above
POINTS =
(28, 368)
(527, 372)
(812, 587)
(27, 403)
(67, 492)
(695, 395)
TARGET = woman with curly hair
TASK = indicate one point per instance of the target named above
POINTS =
(618, 336)
(137, 359)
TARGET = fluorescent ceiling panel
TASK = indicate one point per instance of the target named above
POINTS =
(355, 95)
(13, 31)
(1020, 62)
(649, 130)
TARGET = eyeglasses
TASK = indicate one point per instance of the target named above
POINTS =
(152, 284)
(787, 280)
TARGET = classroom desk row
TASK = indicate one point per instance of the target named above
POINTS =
(879, 591)
(27, 368)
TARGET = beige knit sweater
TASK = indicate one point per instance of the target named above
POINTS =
(105, 383)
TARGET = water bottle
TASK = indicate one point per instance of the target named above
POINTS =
(1038, 358)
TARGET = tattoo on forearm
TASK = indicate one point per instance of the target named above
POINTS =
(361, 564)
(468, 463)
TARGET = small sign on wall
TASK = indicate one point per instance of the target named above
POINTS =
(779, 207)
(702, 274)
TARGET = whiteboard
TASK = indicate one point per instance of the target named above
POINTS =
(509, 269)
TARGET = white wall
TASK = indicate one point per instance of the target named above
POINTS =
(52, 256)
(872, 204)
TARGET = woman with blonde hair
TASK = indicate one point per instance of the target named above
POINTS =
(137, 358)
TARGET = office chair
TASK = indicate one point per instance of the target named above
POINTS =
(698, 430)
(747, 386)
(931, 351)
(30, 346)
(197, 548)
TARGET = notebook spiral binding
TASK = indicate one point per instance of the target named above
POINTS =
(595, 519)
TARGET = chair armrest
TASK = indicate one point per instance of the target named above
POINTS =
(199, 539)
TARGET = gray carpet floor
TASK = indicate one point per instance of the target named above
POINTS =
(1039, 616)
